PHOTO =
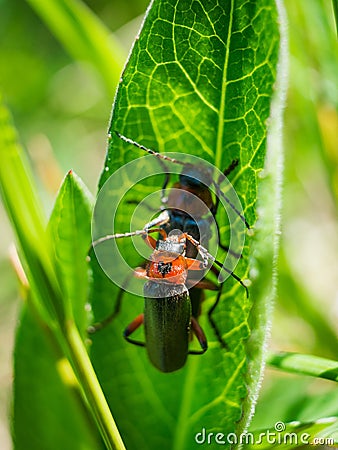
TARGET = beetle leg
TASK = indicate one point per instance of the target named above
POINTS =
(225, 247)
(225, 173)
(194, 264)
(99, 325)
(213, 323)
(149, 240)
(199, 333)
(134, 325)
(203, 284)
(139, 272)
(229, 169)
(211, 286)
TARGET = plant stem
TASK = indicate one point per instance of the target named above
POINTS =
(92, 389)
(305, 365)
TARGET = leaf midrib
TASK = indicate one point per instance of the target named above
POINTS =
(189, 387)
(220, 128)
(188, 390)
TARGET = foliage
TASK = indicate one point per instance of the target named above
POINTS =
(180, 92)
(183, 90)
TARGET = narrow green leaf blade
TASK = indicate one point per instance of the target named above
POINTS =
(32, 372)
(48, 412)
(40, 397)
(199, 80)
(305, 365)
(335, 10)
(69, 227)
(83, 35)
(25, 212)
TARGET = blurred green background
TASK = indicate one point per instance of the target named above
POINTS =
(61, 107)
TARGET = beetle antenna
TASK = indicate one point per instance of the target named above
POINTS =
(233, 275)
(207, 256)
(232, 206)
(143, 232)
(181, 163)
(148, 150)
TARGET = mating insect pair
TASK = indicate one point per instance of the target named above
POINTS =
(172, 294)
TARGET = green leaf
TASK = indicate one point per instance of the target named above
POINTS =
(69, 227)
(25, 212)
(45, 386)
(305, 365)
(48, 412)
(335, 10)
(83, 35)
(36, 380)
(291, 435)
(36, 365)
(200, 80)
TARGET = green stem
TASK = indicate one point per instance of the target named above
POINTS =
(335, 11)
(305, 365)
(20, 196)
(92, 389)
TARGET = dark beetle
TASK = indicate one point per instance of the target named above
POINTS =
(172, 296)
(167, 316)
(184, 213)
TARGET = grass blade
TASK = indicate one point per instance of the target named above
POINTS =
(69, 227)
(46, 300)
(305, 365)
(335, 11)
(84, 36)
